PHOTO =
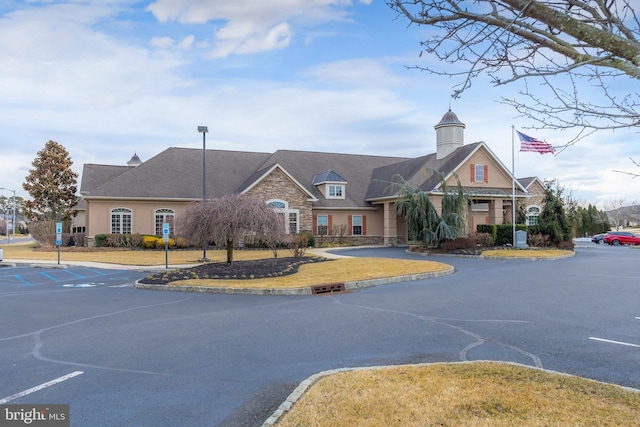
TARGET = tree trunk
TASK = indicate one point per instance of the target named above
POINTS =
(229, 252)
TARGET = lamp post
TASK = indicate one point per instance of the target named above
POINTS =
(13, 220)
(204, 130)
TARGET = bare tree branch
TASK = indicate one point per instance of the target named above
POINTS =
(574, 47)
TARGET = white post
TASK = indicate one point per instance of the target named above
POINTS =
(513, 187)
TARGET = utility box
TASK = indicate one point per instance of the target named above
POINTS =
(521, 239)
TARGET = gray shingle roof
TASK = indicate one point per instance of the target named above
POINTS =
(176, 173)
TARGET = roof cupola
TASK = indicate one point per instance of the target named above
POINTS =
(449, 134)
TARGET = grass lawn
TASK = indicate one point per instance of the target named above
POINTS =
(127, 257)
(519, 253)
(334, 271)
(461, 394)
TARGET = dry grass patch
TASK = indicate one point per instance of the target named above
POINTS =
(462, 394)
(519, 253)
(126, 256)
(338, 270)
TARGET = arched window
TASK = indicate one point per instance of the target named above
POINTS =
(162, 216)
(532, 214)
(290, 215)
(121, 220)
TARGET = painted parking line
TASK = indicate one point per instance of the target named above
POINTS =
(20, 279)
(628, 344)
(40, 387)
(50, 277)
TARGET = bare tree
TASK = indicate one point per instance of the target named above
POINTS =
(620, 210)
(572, 47)
(227, 219)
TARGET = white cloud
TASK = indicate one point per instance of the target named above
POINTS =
(250, 26)
(357, 71)
(162, 42)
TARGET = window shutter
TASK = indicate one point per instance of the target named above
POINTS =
(315, 225)
(329, 224)
(364, 225)
(350, 225)
(473, 173)
(486, 173)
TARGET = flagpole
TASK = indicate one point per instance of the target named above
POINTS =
(513, 187)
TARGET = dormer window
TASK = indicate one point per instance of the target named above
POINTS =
(330, 184)
(335, 191)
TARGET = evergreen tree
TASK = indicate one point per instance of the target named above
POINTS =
(553, 220)
(52, 184)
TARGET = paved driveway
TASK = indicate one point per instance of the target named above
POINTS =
(124, 357)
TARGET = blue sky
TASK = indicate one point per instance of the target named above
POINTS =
(110, 78)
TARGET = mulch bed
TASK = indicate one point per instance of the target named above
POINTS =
(239, 270)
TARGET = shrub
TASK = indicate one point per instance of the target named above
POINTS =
(298, 245)
(311, 241)
(459, 243)
(483, 239)
(150, 242)
(566, 245)
(101, 240)
(181, 242)
(134, 240)
(539, 240)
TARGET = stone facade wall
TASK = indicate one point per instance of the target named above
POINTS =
(278, 185)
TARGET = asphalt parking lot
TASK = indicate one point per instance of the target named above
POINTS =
(121, 356)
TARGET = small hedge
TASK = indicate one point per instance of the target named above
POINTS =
(117, 240)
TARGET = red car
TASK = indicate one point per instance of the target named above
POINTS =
(621, 238)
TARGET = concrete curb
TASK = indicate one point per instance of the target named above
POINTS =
(501, 258)
(304, 386)
(360, 284)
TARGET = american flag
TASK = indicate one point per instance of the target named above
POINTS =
(528, 143)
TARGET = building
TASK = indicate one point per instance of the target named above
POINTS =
(323, 193)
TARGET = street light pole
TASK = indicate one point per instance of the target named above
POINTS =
(13, 220)
(204, 130)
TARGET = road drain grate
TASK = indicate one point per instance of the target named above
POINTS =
(325, 289)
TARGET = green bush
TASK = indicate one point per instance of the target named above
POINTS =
(101, 240)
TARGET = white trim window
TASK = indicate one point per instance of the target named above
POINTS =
(121, 220)
(479, 175)
(335, 191)
(164, 216)
(356, 225)
(291, 216)
(323, 225)
(533, 212)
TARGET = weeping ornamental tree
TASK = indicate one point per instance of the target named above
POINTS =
(227, 219)
(424, 224)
